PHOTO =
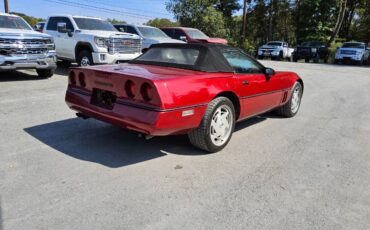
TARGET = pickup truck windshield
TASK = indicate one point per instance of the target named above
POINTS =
(196, 34)
(12, 22)
(353, 45)
(151, 32)
(93, 24)
(315, 44)
(274, 44)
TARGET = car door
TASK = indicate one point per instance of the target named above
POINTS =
(67, 42)
(258, 93)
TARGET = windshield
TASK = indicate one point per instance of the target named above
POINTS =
(93, 24)
(12, 22)
(152, 32)
(196, 34)
(274, 44)
(170, 55)
(241, 62)
(354, 45)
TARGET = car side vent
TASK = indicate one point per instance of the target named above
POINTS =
(285, 97)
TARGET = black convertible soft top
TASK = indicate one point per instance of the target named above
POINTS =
(210, 58)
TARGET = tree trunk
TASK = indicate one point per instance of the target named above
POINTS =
(338, 24)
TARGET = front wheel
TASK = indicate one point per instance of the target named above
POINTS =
(45, 73)
(290, 109)
(84, 58)
(217, 126)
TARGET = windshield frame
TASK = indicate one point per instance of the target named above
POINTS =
(19, 19)
(142, 28)
(109, 25)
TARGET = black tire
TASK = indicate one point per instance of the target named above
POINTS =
(295, 59)
(286, 110)
(64, 63)
(307, 60)
(325, 60)
(360, 63)
(84, 58)
(45, 73)
(260, 57)
(201, 136)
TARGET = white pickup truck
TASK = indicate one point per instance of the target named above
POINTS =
(90, 41)
(276, 50)
(23, 48)
(356, 52)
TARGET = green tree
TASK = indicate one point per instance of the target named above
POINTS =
(116, 21)
(161, 22)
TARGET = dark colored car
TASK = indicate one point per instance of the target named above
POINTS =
(191, 35)
(39, 27)
(314, 50)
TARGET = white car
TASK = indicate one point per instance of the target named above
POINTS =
(89, 40)
(276, 50)
(352, 52)
(23, 48)
(150, 35)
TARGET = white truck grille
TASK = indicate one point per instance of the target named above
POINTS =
(24, 46)
(125, 45)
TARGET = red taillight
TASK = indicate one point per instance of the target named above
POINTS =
(81, 79)
(130, 89)
(72, 78)
(146, 92)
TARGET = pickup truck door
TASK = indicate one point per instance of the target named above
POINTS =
(257, 92)
(64, 44)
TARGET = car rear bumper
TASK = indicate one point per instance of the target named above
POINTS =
(150, 122)
(39, 61)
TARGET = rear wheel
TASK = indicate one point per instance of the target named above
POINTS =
(84, 58)
(45, 73)
(290, 109)
(217, 126)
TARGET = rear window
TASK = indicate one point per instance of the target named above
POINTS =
(170, 55)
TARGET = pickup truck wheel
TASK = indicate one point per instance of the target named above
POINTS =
(290, 109)
(85, 58)
(295, 59)
(307, 60)
(217, 126)
(45, 73)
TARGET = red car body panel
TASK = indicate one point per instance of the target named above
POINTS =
(175, 92)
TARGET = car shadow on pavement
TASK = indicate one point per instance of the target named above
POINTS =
(112, 146)
(19, 76)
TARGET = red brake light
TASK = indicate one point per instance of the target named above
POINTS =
(146, 92)
(81, 79)
(130, 89)
(72, 78)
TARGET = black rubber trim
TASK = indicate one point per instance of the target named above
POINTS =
(262, 94)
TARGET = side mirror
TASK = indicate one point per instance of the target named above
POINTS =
(183, 38)
(62, 28)
(269, 72)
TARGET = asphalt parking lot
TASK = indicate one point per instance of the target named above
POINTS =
(308, 172)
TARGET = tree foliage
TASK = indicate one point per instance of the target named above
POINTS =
(31, 20)
(116, 21)
(161, 22)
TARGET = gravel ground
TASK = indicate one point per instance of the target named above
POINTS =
(308, 172)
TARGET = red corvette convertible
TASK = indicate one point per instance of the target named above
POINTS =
(197, 89)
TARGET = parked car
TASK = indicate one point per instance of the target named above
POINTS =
(196, 89)
(356, 52)
(23, 48)
(191, 35)
(89, 40)
(39, 27)
(150, 35)
(314, 50)
(276, 50)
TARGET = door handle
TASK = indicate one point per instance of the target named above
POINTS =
(245, 82)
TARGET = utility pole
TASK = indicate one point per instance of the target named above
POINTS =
(244, 20)
(6, 6)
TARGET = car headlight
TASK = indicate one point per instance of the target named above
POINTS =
(101, 42)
